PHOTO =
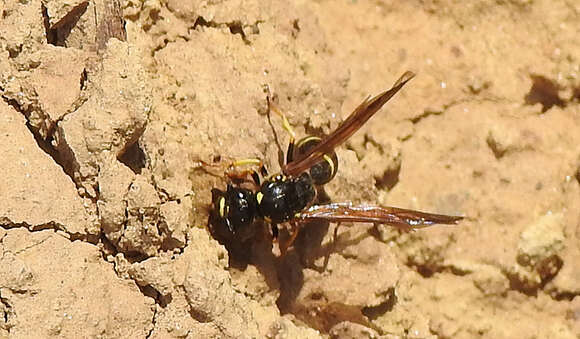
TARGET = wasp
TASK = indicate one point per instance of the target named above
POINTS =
(289, 197)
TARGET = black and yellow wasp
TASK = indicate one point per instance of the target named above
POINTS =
(288, 197)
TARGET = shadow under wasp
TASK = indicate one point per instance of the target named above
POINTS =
(288, 198)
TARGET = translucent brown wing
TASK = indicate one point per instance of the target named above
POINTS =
(347, 128)
(401, 218)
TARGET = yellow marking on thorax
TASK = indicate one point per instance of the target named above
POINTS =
(277, 177)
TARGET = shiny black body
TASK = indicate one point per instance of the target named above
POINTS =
(238, 209)
(281, 198)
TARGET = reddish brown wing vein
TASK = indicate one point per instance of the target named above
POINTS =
(398, 217)
(346, 129)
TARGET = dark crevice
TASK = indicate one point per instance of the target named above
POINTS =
(295, 28)
(45, 135)
(152, 20)
(14, 104)
(390, 178)
(429, 112)
(565, 296)
(427, 271)
(84, 79)
(525, 287)
(424, 115)
(7, 313)
(134, 158)
(545, 92)
(576, 94)
(498, 152)
(164, 300)
(14, 51)
(154, 321)
(6, 223)
(50, 34)
(235, 27)
(108, 247)
(374, 312)
(200, 21)
(547, 270)
(458, 271)
(134, 256)
(44, 143)
(46, 146)
(150, 291)
(91, 238)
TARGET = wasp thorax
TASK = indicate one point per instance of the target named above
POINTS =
(280, 198)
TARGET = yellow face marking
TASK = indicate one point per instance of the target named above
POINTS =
(330, 162)
(259, 197)
(222, 207)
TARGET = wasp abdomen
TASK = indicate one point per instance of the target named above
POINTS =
(323, 171)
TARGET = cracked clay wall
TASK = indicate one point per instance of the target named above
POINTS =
(110, 109)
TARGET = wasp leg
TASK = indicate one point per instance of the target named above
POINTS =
(233, 173)
(205, 166)
(275, 232)
(272, 107)
(335, 238)
(284, 246)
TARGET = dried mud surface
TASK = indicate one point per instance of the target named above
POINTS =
(104, 204)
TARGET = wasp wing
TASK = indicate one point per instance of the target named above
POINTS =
(401, 218)
(346, 129)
